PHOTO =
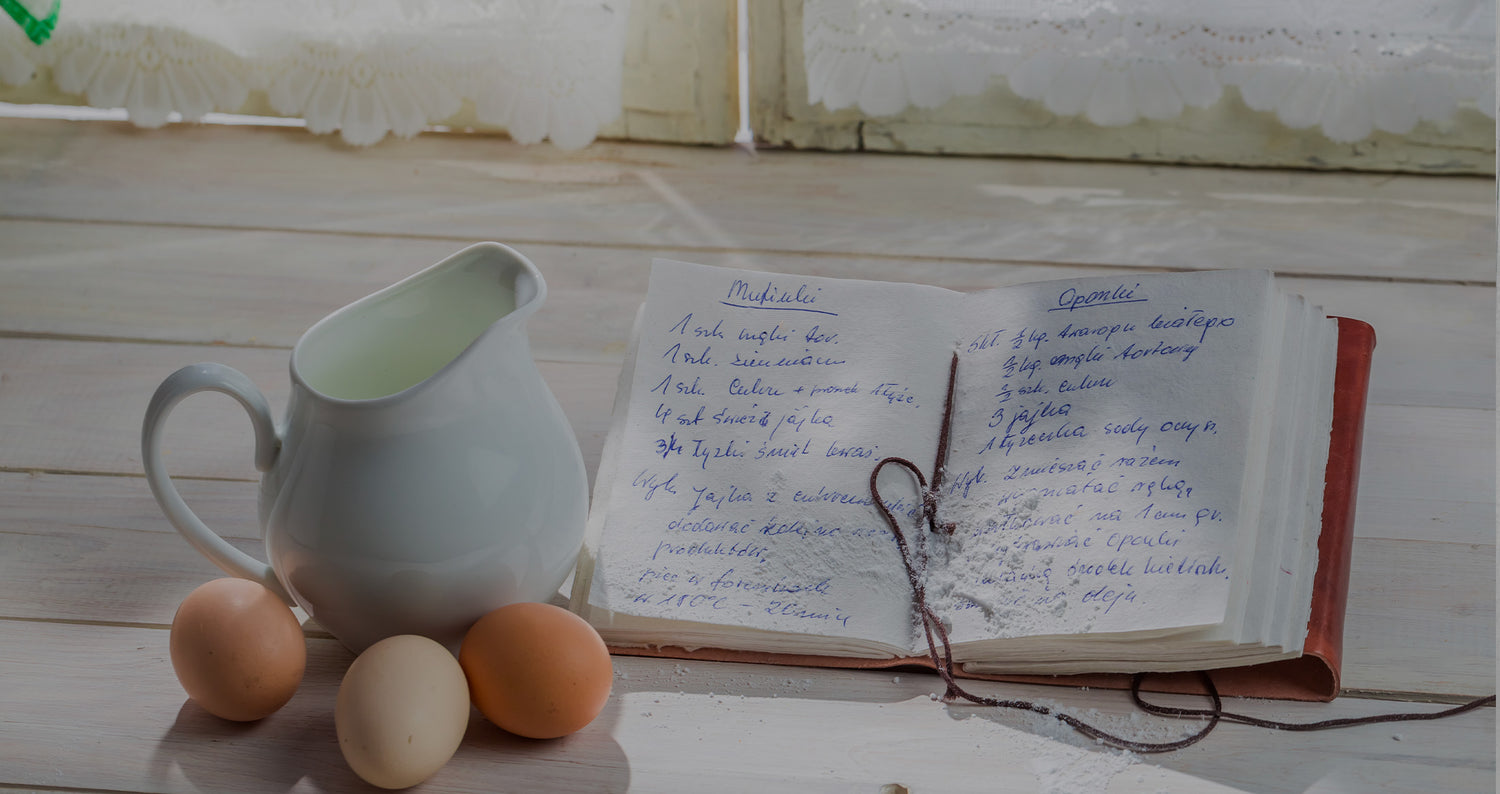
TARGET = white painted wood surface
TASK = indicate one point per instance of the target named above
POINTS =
(961, 210)
(126, 254)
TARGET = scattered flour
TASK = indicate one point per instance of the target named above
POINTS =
(976, 563)
(776, 480)
(1064, 761)
(1060, 769)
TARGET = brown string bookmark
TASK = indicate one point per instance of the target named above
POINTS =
(914, 557)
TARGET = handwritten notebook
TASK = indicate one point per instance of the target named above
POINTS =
(1135, 478)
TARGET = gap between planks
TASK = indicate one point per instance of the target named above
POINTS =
(310, 632)
(48, 336)
(135, 475)
(729, 250)
(30, 789)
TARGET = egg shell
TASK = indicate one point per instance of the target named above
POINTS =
(536, 670)
(401, 712)
(237, 649)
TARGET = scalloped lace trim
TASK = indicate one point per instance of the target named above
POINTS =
(1347, 66)
(366, 68)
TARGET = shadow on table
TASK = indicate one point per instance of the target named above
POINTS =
(298, 746)
(590, 760)
(273, 754)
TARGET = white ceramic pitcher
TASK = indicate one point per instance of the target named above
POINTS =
(424, 474)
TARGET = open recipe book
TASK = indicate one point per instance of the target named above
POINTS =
(1135, 474)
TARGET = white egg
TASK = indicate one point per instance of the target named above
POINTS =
(402, 710)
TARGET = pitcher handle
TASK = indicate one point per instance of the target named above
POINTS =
(178, 386)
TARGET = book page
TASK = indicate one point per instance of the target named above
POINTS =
(758, 407)
(1098, 454)
(1296, 606)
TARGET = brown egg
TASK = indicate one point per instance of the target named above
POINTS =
(536, 670)
(237, 649)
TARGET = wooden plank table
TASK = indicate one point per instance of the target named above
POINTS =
(125, 254)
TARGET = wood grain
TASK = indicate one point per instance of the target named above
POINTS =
(1428, 477)
(1442, 599)
(83, 413)
(1435, 341)
(1424, 228)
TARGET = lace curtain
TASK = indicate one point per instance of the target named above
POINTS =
(366, 68)
(1347, 66)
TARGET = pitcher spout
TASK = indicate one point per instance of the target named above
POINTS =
(402, 336)
(529, 288)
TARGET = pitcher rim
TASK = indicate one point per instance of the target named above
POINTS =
(516, 315)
